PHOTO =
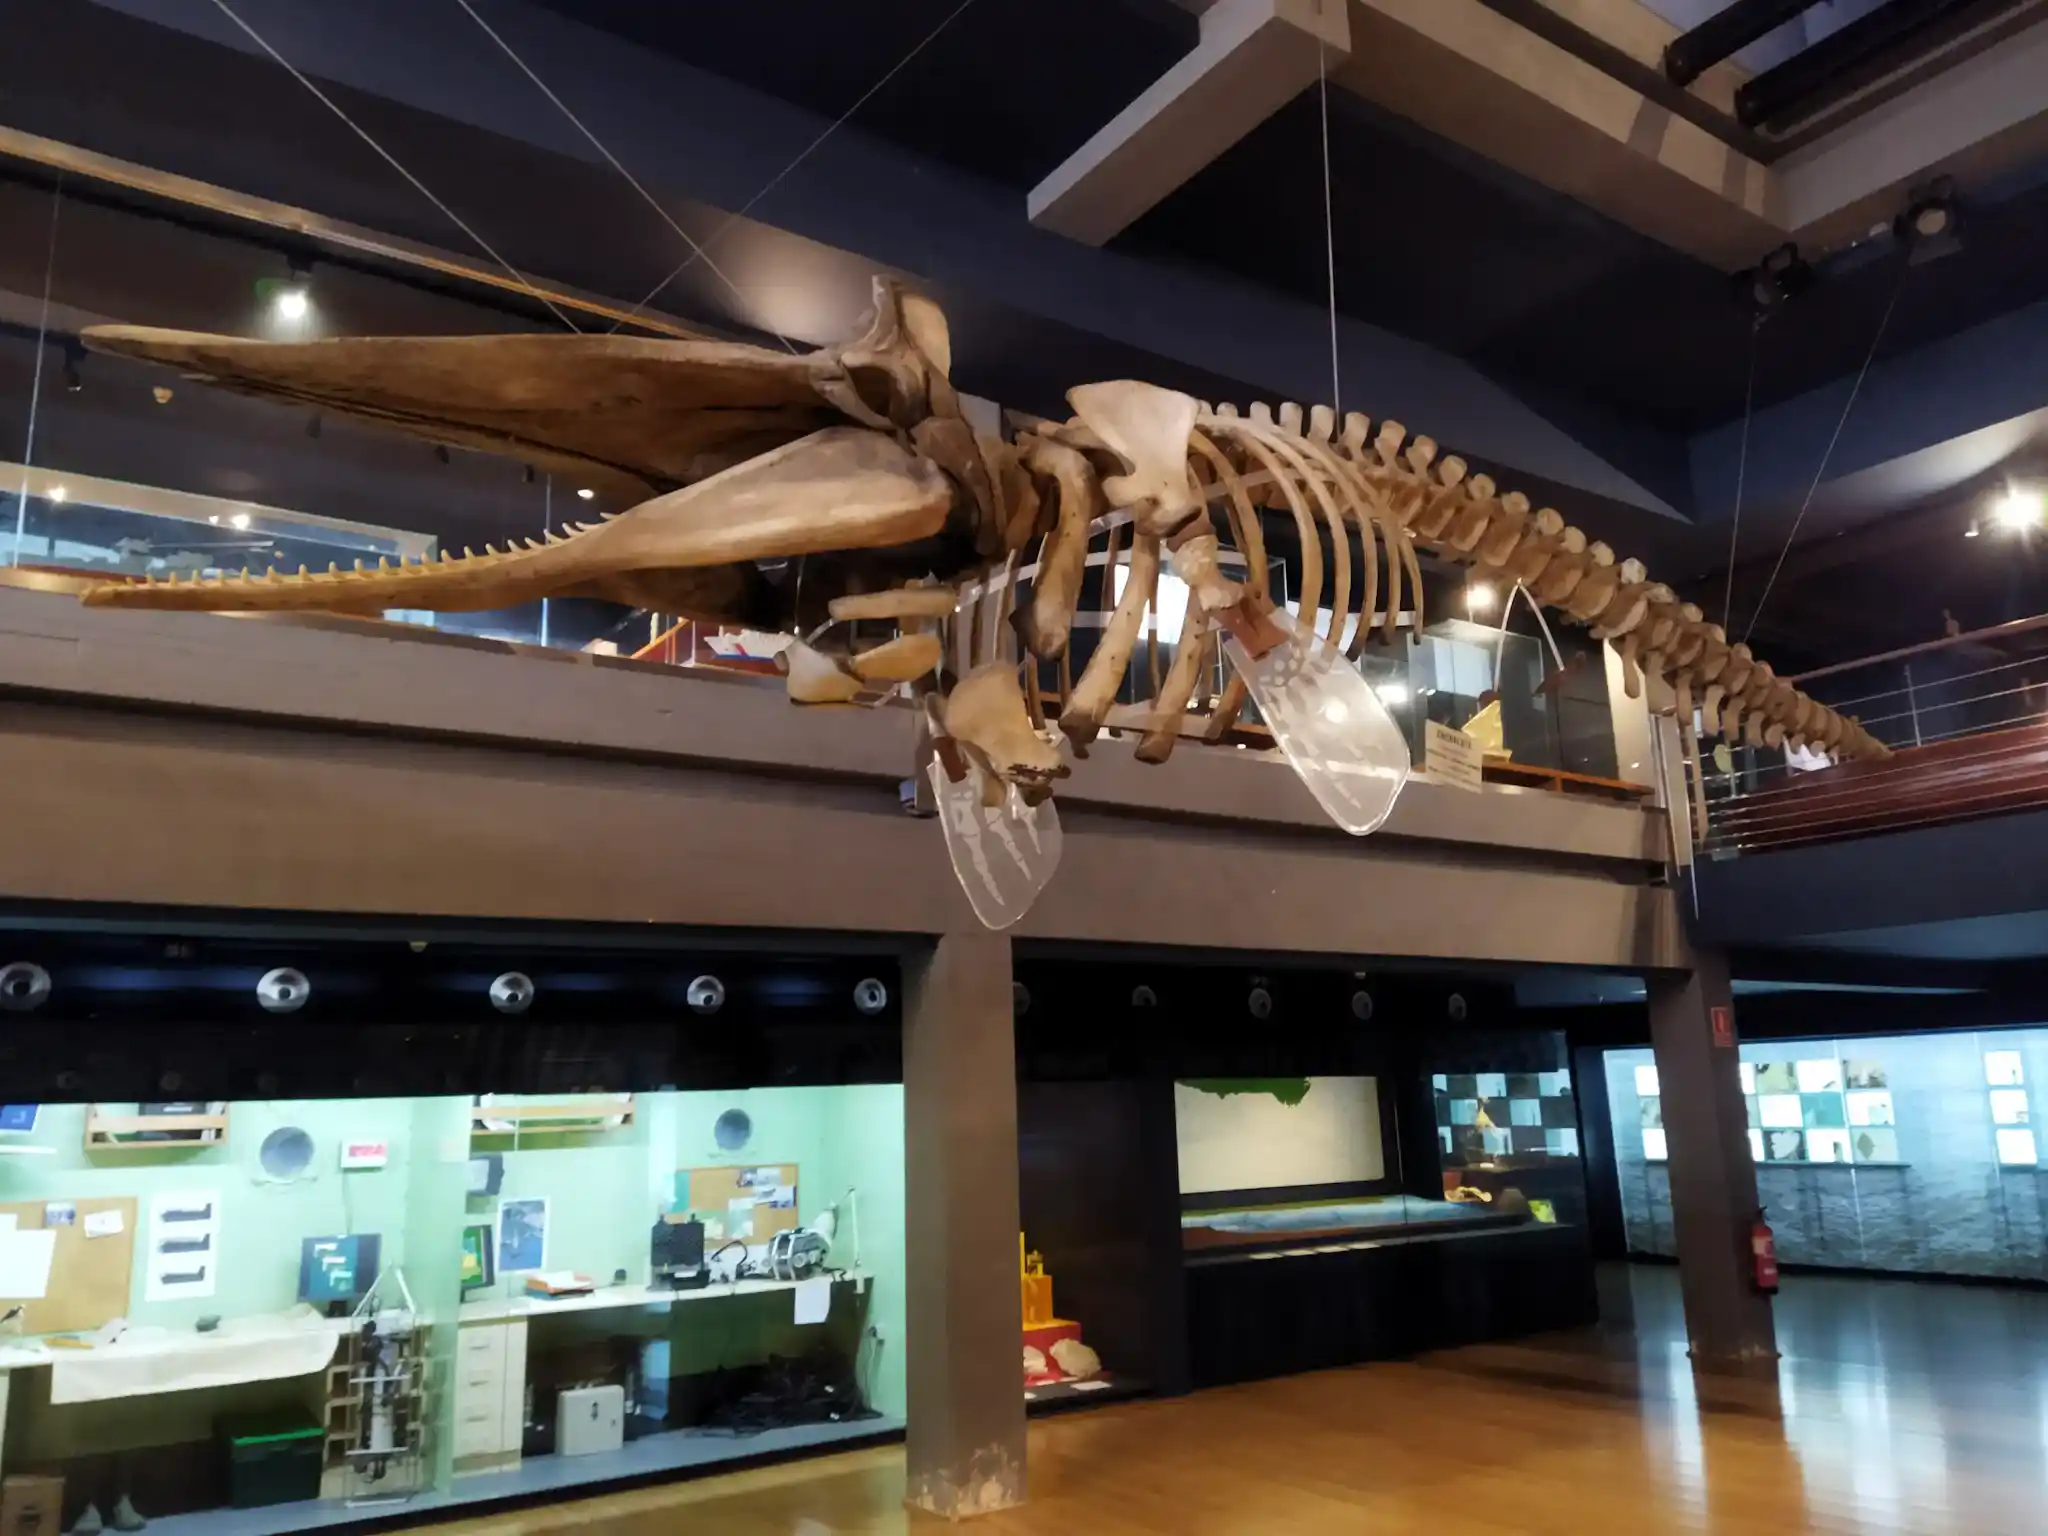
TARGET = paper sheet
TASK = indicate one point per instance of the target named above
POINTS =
(25, 1259)
(813, 1301)
(103, 1224)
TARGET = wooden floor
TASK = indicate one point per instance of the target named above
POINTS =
(1897, 1408)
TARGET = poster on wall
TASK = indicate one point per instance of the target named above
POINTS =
(184, 1245)
(1276, 1133)
(523, 1235)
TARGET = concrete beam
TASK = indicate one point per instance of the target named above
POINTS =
(1470, 74)
(1974, 122)
(1254, 57)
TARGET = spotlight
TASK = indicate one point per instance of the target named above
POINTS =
(239, 520)
(162, 394)
(2019, 510)
(584, 493)
(1479, 598)
(1970, 532)
(73, 382)
(59, 493)
(706, 995)
(1928, 227)
(291, 305)
(1393, 694)
(1780, 276)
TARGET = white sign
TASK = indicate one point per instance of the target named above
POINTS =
(365, 1154)
(103, 1224)
(1451, 756)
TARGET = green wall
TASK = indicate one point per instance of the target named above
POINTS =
(604, 1190)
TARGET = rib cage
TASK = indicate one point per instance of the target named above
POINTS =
(1396, 494)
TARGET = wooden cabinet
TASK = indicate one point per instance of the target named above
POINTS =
(490, 1395)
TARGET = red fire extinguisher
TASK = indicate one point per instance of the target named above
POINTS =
(1763, 1255)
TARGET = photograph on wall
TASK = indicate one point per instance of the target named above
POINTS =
(1822, 1109)
(1827, 1146)
(2004, 1069)
(523, 1236)
(1781, 1111)
(1784, 1146)
(1776, 1077)
(1818, 1076)
(2016, 1147)
(1867, 1074)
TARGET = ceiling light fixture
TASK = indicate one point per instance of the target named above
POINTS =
(584, 493)
(2020, 510)
(59, 493)
(1780, 276)
(292, 301)
(239, 520)
(1479, 597)
(73, 356)
(1393, 693)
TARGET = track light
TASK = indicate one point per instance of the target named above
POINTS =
(1779, 277)
(585, 493)
(1479, 598)
(59, 494)
(73, 356)
(1929, 228)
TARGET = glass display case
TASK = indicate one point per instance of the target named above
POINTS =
(1910, 1154)
(311, 1309)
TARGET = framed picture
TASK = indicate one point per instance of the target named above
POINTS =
(522, 1236)
(479, 1256)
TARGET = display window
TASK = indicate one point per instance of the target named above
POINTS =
(1909, 1154)
(255, 1317)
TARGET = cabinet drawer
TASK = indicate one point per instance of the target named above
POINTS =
(476, 1347)
(479, 1437)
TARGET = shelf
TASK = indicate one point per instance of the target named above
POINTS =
(561, 1118)
(116, 1132)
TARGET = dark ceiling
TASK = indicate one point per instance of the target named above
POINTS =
(1432, 241)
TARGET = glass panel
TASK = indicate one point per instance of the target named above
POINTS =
(2004, 1068)
(1646, 1082)
(1653, 1146)
(2009, 1106)
(1870, 1107)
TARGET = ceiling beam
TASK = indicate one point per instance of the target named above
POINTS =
(1254, 57)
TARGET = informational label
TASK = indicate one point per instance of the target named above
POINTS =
(103, 1224)
(1724, 1027)
(365, 1154)
(1451, 756)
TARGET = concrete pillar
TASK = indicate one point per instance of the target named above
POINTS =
(966, 1436)
(1713, 1176)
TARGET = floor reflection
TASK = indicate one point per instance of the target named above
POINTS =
(1895, 1408)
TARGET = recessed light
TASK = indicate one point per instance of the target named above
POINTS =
(1478, 597)
(59, 493)
(240, 520)
(584, 493)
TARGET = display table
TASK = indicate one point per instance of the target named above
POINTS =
(1313, 1306)
(491, 1354)
(146, 1361)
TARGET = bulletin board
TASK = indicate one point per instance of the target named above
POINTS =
(764, 1193)
(89, 1276)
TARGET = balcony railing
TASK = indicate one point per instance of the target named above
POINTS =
(1968, 724)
